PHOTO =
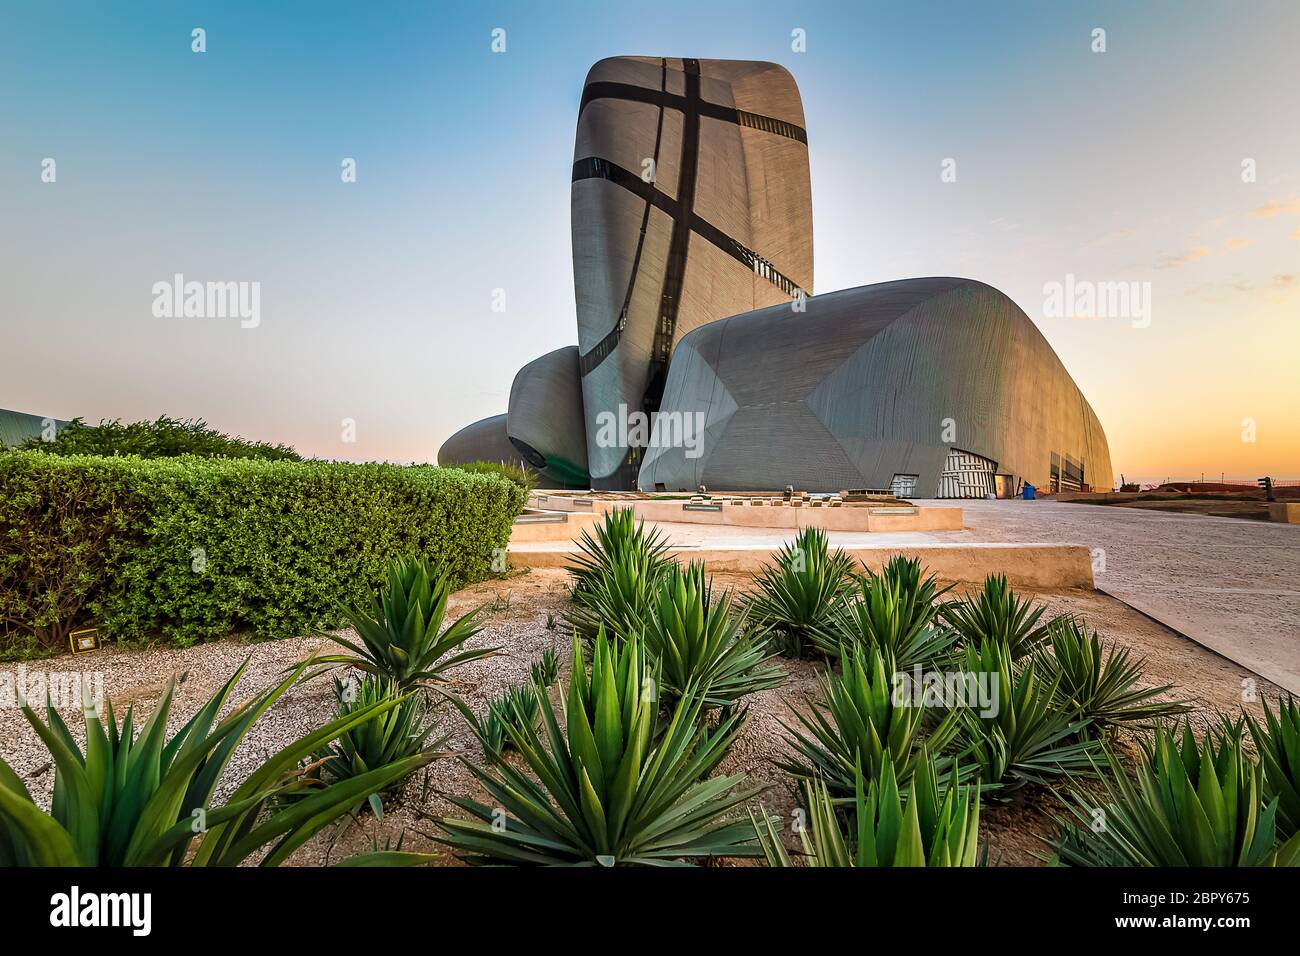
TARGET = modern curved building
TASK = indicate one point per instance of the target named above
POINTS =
(484, 440)
(545, 419)
(542, 428)
(691, 201)
(936, 387)
(693, 266)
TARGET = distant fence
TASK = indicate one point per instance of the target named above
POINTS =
(1225, 485)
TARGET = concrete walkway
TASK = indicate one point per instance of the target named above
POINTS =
(1229, 584)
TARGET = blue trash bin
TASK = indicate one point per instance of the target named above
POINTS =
(1028, 493)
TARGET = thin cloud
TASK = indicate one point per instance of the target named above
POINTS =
(1109, 238)
(1192, 255)
(1280, 280)
(1232, 245)
(1277, 207)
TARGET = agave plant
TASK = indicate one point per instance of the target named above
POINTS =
(1278, 743)
(517, 707)
(620, 600)
(1191, 803)
(391, 854)
(619, 534)
(546, 669)
(401, 732)
(904, 574)
(616, 577)
(138, 799)
(935, 825)
(1098, 687)
(799, 592)
(1025, 736)
(997, 614)
(402, 639)
(697, 643)
(862, 720)
(894, 612)
(612, 788)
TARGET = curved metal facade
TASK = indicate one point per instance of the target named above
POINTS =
(545, 420)
(874, 383)
(484, 440)
(691, 201)
(18, 427)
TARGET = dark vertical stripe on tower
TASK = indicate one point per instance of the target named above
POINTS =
(589, 361)
(675, 273)
(645, 216)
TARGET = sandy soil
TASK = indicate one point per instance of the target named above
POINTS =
(517, 622)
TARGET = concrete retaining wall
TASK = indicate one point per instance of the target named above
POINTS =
(1287, 512)
(1045, 566)
(570, 528)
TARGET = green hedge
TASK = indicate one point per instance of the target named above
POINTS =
(523, 477)
(164, 438)
(190, 548)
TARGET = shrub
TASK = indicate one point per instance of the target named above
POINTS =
(616, 787)
(801, 590)
(1100, 688)
(996, 614)
(697, 643)
(617, 575)
(188, 548)
(132, 799)
(525, 478)
(895, 613)
(1278, 743)
(1027, 738)
(934, 825)
(402, 638)
(165, 438)
(862, 722)
(64, 525)
(1190, 804)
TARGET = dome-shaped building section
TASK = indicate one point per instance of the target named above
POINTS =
(545, 420)
(934, 387)
(484, 440)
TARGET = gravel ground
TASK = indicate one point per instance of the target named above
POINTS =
(517, 623)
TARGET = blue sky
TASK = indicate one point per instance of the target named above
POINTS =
(376, 295)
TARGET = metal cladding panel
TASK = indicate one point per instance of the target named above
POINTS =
(545, 419)
(484, 440)
(793, 448)
(889, 378)
(720, 223)
(17, 427)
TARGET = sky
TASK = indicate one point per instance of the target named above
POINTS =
(1170, 159)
